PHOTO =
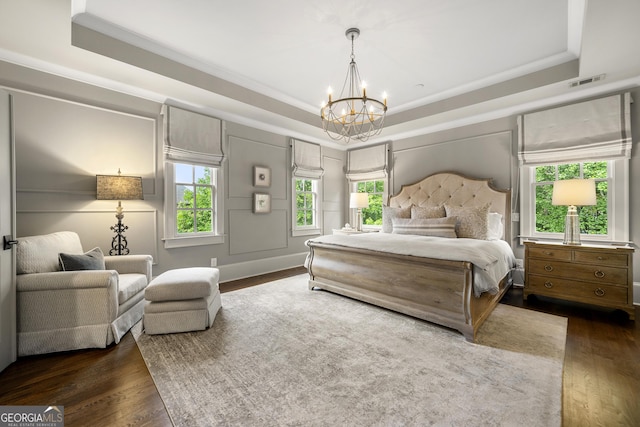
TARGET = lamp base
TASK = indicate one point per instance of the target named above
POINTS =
(358, 219)
(572, 227)
(119, 241)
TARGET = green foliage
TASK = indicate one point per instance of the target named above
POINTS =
(305, 202)
(195, 204)
(550, 219)
(373, 214)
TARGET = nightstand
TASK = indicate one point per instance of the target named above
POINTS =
(598, 275)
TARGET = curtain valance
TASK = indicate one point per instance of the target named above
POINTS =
(596, 129)
(192, 137)
(306, 159)
(368, 163)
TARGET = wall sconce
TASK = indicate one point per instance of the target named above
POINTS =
(119, 187)
(572, 193)
(359, 201)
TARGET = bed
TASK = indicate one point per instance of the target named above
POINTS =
(414, 267)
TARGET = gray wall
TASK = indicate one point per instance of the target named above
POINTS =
(64, 139)
(482, 150)
(67, 132)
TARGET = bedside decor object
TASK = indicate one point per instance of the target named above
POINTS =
(261, 203)
(261, 176)
(353, 115)
(573, 193)
(119, 187)
(359, 201)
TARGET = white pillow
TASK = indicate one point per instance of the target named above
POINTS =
(496, 229)
(437, 227)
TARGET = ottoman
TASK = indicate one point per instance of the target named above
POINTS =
(181, 300)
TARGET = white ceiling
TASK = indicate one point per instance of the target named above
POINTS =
(268, 64)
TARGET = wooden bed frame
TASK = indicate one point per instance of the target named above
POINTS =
(435, 290)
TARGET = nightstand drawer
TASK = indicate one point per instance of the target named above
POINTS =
(587, 272)
(601, 258)
(550, 253)
(590, 293)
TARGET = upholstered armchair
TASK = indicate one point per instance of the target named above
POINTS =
(90, 307)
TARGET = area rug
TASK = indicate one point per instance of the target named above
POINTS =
(280, 354)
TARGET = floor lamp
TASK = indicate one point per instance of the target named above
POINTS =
(573, 193)
(119, 187)
(359, 201)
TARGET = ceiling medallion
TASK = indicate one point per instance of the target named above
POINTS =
(353, 115)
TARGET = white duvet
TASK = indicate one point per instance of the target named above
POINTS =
(492, 259)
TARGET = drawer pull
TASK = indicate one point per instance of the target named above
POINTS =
(549, 268)
(601, 258)
(599, 292)
(548, 253)
(548, 285)
(599, 274)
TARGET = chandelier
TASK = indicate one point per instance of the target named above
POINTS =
(353, 115)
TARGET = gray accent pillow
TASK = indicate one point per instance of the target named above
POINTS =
(437, 227)
(388, 213)
(92, 260)
(473, 222)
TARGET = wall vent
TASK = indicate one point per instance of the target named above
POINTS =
(587, 80)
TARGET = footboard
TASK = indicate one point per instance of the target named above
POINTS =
(438, 291)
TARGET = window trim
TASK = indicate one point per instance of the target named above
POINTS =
(171, 238)
(617, 205)
(306, 230)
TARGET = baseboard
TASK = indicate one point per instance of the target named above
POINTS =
(636, 293)
(246, 269)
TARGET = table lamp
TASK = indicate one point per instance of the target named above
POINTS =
(359, 201)
(573, 193)
(119, 187)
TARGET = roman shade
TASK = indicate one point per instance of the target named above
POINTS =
(595, 129)
(192, 137)
(368, 163)
(306, 159)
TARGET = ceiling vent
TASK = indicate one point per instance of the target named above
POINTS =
(587, 80)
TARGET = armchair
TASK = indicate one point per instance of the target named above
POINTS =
(67, 310)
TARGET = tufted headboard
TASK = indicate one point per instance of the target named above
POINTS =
(457, 190)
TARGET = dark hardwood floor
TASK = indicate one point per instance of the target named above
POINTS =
(112, 387)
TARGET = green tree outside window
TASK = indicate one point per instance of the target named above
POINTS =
(373, 214)
(305, 203)
(550, 219)
(195, 192)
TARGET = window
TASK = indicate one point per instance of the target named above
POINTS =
(192, 214)
(194, 191)
(306, 199)
(605, 221)
(307, 171)
(372, 216)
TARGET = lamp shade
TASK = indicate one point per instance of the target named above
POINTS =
(359, 200)
(574, 192)
(118, 187)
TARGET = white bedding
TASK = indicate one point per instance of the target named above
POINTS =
(492, 259)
